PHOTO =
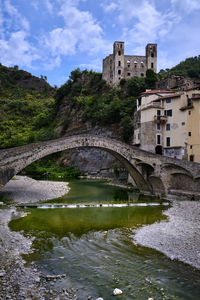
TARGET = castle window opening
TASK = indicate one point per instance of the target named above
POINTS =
(142, 64)
(189, 133)
(189, 112)
(152, 54)
(119, 72)
(128, 62)
(142, 74)
(119, 53)
(128, 74)
(190, 146)
(183, 123)
(119, 63)
(121, 45)
(152, 65)
(191, 157)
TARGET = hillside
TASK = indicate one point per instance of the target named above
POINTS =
(27, 108)
(190, 67)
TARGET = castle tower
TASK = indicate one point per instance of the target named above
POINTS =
(151, 57)
(118, 61)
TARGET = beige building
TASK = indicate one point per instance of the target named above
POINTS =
(117, 65)
(168, 123)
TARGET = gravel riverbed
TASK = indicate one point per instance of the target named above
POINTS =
(179, 236)
(17, 280)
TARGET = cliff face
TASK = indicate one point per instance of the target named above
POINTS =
(93, 162)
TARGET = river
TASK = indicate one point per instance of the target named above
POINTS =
(94, 246)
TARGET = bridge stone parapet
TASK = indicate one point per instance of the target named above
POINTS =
(152, 173)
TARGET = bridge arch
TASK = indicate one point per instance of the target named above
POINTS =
(120, 151)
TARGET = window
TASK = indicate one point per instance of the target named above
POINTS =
(128, 74)
(119, 72)
(142, 75)
(190, 146)
(191, 157)
(167, 127)
(139, 101)
(152, 54)
(128, 66)
(158, 126)
(158, 112)
(168, 112)
(128, 62)
(168, 100)
(189, 133)
(158, 139)
(189, 112)
(168, 141)
(142, 64)
(135, 63)
(121, 45)
(119, 53)
(119, 63)
(152, 65)
(183, 123)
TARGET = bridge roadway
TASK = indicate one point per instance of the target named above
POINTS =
(152, 173)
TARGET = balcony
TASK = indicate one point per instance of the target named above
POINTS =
(160, 119)
(153, 104)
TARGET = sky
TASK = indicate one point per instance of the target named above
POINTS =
(54, 37)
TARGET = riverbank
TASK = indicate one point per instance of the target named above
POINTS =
(18, 281)
(179, 236)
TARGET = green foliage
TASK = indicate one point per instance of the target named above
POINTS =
(47, 167)
(126, 129)
(190, 67)
(151, 79)
(135, 86)
(26, 115)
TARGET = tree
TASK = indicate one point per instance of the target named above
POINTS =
(151, 79)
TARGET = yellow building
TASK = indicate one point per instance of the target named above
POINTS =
(165, 124)
(192, 109)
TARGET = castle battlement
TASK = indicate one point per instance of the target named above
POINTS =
(117, 65)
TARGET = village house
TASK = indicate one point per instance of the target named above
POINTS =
(168, 123)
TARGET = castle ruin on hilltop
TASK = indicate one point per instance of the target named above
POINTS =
(117, 65)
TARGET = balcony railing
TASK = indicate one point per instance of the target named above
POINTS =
(160, 119)
(152, 104)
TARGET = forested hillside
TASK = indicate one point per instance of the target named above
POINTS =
(190, 67)
(27, 108)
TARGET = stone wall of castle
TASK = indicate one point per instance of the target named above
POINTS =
(117, 65)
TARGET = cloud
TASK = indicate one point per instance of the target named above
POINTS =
(17, 51)
(95, 65)
(142, 22)
(109, 7)
(80, 33)
(49, 6)
(187, 5)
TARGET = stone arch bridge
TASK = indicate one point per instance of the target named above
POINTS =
(152, 173)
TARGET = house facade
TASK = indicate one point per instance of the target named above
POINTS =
(168, 123)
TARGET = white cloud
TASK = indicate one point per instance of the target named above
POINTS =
(143, 23)
(80, 33)
(49, 6)
(17, 51)
(15, 21)
(109, 7)
(95, 65)
(187, 5)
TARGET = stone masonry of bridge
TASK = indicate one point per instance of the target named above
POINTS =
(152, 173)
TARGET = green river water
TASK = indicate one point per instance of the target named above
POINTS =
(94, 246)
